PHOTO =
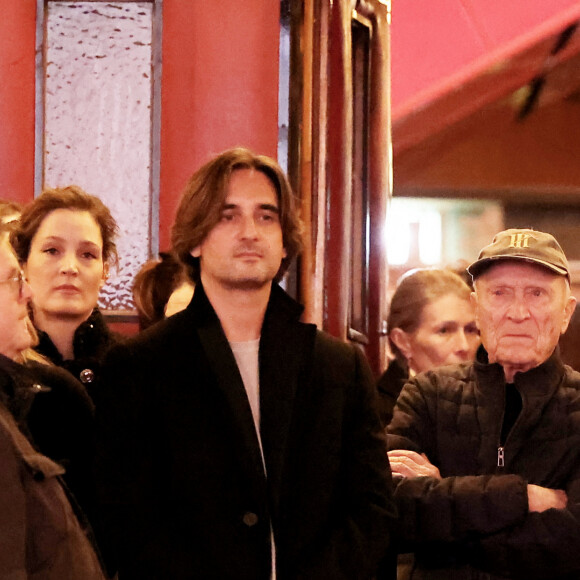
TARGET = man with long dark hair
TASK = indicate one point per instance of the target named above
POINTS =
(238, 442)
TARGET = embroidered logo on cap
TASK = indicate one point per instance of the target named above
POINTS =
(522, 244)
(519, 240)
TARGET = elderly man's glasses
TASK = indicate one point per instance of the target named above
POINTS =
(16, 280)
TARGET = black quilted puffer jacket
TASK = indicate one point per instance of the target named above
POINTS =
(475, 523)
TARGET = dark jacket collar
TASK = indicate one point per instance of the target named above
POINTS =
(283, 306)
(91, 340)
(280, 306)
(17, 388)
(393, 380)
(539, 381)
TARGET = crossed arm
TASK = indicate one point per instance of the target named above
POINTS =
(406, 463)
(498, 522)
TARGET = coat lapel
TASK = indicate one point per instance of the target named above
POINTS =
(229, 381)
(286, 347)
(285, 351)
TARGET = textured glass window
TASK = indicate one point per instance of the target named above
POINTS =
(97, 119)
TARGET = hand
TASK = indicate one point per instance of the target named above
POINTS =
(542, 498)
(410, 464)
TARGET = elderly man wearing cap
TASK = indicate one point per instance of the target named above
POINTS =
(487, 454)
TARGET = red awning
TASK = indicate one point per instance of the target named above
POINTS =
(451, 58)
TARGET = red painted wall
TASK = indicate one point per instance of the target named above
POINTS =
(219, 87)
(17, 42)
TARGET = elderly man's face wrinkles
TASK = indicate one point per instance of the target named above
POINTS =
(521, 310)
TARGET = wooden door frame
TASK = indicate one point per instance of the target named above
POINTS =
(320, 142)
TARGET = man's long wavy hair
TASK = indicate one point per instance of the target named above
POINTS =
(205, 194)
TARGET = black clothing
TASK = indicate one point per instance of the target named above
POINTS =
(92, 340)
(182, 479)
(54, 411)
(513, 407)
(61, 423)
(16, 391)
(389, 385)
(475, 521)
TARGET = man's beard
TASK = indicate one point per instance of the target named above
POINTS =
(254, 283)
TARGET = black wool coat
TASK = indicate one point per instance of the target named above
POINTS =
(181, 478)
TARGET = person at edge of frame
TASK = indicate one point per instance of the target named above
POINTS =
(486, 455)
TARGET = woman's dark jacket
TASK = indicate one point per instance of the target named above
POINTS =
(475, 520)
(61, 423)
(92, 340)
(390, 385)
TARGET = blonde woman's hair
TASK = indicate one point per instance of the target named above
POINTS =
(415, 290)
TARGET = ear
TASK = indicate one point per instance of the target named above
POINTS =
(284, 253)
(196, 252)
(106, 271)
(403, 341)
(568, 311)
(475, 303)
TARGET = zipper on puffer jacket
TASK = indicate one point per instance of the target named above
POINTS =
(504, 437)
(501, 456)
(501, 448)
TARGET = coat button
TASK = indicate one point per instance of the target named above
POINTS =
(87, 376)
(250, 519)
(39, 388)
